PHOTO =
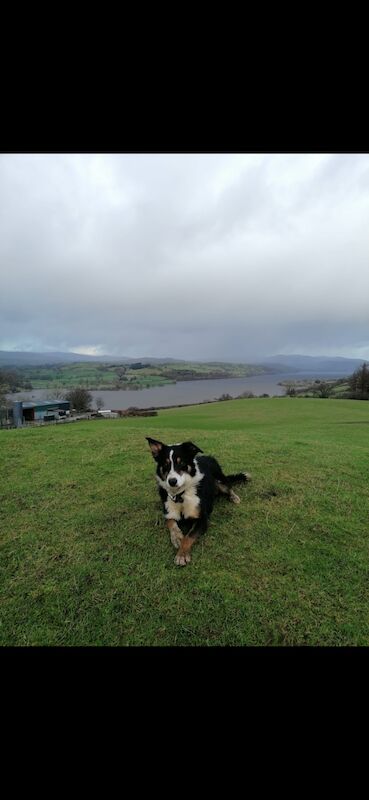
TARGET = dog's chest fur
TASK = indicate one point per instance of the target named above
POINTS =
(189, 507)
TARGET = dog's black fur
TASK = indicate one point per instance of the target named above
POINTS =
(188, 484)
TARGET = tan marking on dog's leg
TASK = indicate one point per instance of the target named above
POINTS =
(222, 488)
(234, 498)
(183, 556)
(176, 534)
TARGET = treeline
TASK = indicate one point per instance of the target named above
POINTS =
(358, 387)
(359, 384)
(12, 381)
(195, 375)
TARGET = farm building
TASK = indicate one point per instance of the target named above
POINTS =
(107, 413)
(40, 411)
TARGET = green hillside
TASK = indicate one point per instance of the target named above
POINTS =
(86, 558)
(128, 376)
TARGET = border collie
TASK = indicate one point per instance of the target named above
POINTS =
(188, 484)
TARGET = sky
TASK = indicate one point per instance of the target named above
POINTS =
(194, 256)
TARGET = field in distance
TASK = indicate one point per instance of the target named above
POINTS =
(137, 375)
(86, 558)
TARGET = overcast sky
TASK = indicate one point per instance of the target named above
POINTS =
(228, 256)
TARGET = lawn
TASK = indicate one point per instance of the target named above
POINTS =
(86, 558)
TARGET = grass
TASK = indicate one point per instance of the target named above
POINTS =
(86, 559)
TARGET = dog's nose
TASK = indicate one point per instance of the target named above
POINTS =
(172, 481)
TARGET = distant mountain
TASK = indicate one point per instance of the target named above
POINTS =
(278, 363)
(16, 358)
(318, 364)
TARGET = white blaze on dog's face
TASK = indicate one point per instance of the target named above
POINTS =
(176, 466)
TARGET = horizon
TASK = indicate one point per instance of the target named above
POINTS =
(194, 360)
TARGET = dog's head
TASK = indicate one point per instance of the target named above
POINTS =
(176, 465)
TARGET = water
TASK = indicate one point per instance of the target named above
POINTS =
(187, 392)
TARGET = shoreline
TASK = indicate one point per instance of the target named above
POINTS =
(182, 394)
(126, 387)
(200, 403)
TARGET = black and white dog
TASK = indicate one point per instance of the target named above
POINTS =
(188, 484)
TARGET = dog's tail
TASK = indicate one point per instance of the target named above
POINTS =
(239, 477)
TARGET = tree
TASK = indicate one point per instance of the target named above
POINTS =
(9, 380)
(57, 393)
(359, 383)
(79, 398)
(4, 388)
(4, 407)
(99, 403)
(323, 389)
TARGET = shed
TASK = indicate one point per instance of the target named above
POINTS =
(38, 411)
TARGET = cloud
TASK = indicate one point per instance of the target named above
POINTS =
(208, 256)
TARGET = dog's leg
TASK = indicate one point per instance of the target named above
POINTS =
(176, 534)
(223, 489)
(183, 556)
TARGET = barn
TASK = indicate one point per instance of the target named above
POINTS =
(40, 411)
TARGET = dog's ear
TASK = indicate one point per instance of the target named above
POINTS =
(155, 447)
(192, 448)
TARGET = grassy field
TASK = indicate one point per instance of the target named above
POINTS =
(118, 376)
(86, 559)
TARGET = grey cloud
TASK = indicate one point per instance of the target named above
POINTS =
(208, 256)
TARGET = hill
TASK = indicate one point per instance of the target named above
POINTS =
(15, 358)
(86, 559)
(132, 375)
(318, 364)
(278, 363)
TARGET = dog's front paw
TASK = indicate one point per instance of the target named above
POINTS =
(182, 559)
(175, 538)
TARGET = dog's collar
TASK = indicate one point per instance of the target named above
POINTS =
(177, 498)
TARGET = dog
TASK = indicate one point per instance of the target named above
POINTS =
(188, 484)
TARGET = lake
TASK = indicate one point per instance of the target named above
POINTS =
(187, 392)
